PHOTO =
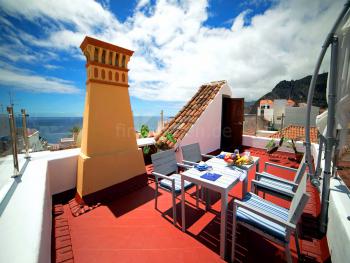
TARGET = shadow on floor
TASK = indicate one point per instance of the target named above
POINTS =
(118, 207)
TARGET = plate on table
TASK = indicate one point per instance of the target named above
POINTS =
(202, 166)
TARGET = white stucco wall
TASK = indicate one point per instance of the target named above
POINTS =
(25, 212)
(260, 142)
(297, 115)
(338, 231)
(207, 129)
(268, 114)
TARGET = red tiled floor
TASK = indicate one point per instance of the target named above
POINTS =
(131, 230)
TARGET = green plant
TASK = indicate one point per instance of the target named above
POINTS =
(272, 147)
(144, 131)
(170, 137)
(75, 129)
(161, 144)
(270, 144)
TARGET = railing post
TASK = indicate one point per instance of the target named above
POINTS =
(330, 135)
(25, 133)
(13, 140)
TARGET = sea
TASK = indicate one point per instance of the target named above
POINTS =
(52, 129)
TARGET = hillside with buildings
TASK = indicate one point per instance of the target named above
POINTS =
(297, 90)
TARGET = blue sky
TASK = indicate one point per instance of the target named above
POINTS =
(178, 45)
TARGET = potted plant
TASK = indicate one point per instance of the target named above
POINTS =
(161, 145)
(291, 144)
(272, 147)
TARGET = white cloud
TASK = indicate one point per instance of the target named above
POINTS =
(176, 52)
(27, 81)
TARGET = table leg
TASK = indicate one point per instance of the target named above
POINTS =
(224, 203)
(183, 204)
(245, 185)
(208, 199)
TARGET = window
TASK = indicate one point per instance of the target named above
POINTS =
(96, 54)
(123, 61)
(117, 60)
(103, 58)
(110, 58)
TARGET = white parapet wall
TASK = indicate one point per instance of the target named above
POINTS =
(260, 142)
(26, 209)
(338, 230)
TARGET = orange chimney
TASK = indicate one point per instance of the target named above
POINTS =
(109, 152)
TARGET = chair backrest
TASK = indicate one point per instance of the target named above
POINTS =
(299, 201)
(301, 170)
(191, 152)
(164, 162)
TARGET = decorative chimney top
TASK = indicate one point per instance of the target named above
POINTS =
(106, 63)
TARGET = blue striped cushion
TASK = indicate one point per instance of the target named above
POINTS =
(276, 184)
(168, 185)
(259, 222)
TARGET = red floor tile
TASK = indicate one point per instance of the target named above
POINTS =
(130, 229)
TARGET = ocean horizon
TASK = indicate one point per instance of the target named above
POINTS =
(52, 129)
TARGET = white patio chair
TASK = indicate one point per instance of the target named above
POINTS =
(167, 177)
(191, 154)
(269, 220)
(277, 186)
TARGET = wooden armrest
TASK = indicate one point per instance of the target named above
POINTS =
(263, 187)
(263, 214)
(275, 178)
(279, 166)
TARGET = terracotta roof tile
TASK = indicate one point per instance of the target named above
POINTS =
(296, 132)
(189, 114)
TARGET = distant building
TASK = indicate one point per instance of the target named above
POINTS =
(282, 112)
(264, 105)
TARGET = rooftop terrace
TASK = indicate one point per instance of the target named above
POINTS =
(129, 229)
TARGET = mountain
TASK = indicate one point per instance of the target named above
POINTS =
(297, 90)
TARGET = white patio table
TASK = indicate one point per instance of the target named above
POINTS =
(229, 178)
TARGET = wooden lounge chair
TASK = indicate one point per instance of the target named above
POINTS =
(277, 186)
(269, 220)
(166, 175)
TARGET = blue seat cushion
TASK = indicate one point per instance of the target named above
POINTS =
(259, 222)
(167, 184)
(276, 184)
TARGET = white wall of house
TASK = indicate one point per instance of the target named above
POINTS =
(207, 129)
(297, 115)
(278, 109)
(260, 142)
(268, 114)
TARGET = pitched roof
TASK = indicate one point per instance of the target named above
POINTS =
(189, 114)
(296, 132)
